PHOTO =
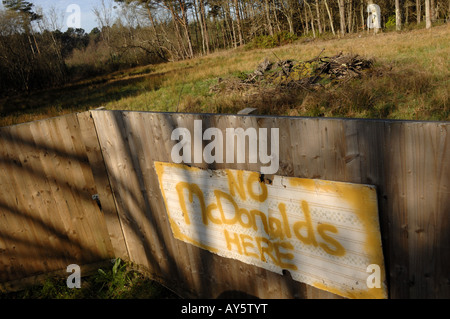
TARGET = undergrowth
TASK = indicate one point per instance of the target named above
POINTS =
(120, 281)
(271, 41)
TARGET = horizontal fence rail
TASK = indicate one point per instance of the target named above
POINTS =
(51, 169)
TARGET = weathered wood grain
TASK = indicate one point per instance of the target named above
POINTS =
(48, 219)
(51, 168)
(406, 161)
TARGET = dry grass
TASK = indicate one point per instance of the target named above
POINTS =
(414, 83)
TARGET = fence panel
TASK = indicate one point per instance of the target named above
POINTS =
(50, 169)
(408, 162)
(48, 218)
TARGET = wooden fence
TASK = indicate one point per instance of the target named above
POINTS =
(48, 219)
(50, 169)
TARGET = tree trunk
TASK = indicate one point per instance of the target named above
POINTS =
(269, 23)
(433, 11)
(319, 25)
(277, 22)
(229, 34)
(342, 15)
(186, 27)
(238, 21)
(363, 24)
(199, 25)
(330, 17)
(427, 14)
(398, 16)
(233, 30)
(291, 24)
(312, 19)
(306, 20)
(204, 25)
(418, 10)
(350, 17)
(159, 43)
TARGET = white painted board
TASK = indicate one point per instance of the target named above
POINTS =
(325, 233)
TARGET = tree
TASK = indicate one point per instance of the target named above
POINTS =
(269, 22)
(418, 11)
(428, 14)
(288, 9)
(238, 20)
(398, 16)
(330, 17)
(342, 15)
(25, 10)
(22, 6)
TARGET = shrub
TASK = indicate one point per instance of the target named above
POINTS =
(271, 41)
(391, 23)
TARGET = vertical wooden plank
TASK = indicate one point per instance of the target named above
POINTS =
(40, 208)
(124, 183)
(397, 210)
(272, 285)
(11, 201)
(161, 129)
(212, 264)
(32, 235)
(93, 151)
(92, 219)
(424, 155)
(84, 212)
(53, 169)
(352, 155)
(310, 153)
(179, 253)
(441, 151)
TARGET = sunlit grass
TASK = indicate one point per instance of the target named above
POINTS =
(414, 84)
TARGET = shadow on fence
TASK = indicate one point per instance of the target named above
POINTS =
(50, 169)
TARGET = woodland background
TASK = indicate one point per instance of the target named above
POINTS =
(35, 54)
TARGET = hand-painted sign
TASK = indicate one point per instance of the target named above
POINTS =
(326, 234)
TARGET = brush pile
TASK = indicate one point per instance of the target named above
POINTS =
(291, 74)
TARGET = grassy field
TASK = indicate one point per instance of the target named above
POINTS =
(411, 82)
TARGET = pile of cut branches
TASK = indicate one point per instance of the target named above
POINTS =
(309, 75)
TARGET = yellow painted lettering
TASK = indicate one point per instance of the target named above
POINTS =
(248, 244)
(338, 250)
(248, 222)
(230, 241)
(262, 216)
(219, 195)
(280, 255)
(254, 178)
(287, 229)
(275, 228)
(309, 239)
(265, 247)
(193, 189)
(236, 184)
(209, 215)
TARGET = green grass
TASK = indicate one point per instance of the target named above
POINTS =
(411, 82)
(120, 281)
